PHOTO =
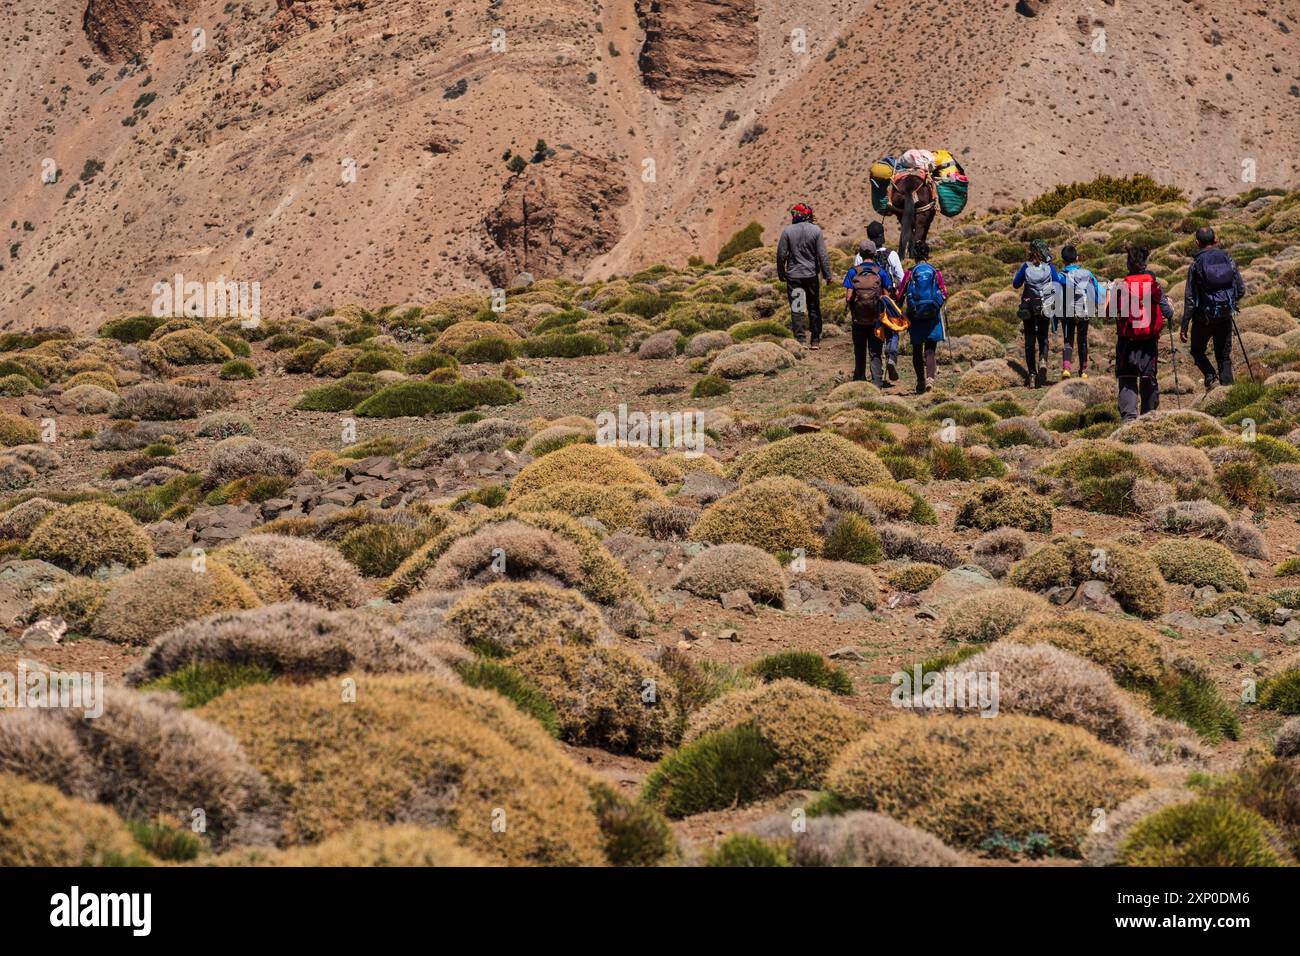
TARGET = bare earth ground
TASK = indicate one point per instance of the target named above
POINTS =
(886, 642)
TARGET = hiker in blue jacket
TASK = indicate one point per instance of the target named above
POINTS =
(924, 295)
(1083, 299)
(1042, 290)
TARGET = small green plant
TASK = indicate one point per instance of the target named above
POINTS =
(710, 386)
(744, 849)
(806, 666)
(175, 844)
(719, 770)
(199, 683)
(854, 539)
(238, 369)
(514, 687)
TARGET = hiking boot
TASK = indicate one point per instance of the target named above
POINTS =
(816, 344)
(1041, 378)
(1211, 381)
(1065, 373)
(929, 385)
(1083, 375)
(891, 369)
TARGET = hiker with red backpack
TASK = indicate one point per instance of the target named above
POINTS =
(924, 295)
(1039, 282)
(1214, 288)
(867, 286)
(1140, 309)
(800, 258)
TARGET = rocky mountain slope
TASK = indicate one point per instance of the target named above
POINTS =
(340, 149)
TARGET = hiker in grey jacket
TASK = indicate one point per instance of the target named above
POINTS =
(801, 260)
(1039, 282)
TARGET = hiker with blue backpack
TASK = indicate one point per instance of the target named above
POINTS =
(868, 286)
(924, 294)
(1083, 299)
(1214, 288)
(1039, 283)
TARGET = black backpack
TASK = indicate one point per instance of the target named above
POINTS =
(1218, 287)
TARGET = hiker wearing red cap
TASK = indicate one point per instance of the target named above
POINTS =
(801, 261)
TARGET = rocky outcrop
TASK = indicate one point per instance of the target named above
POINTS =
(556, 216)
(697, 45)
(120, 29)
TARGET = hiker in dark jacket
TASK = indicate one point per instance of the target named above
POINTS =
(1214, 288)
(924, 295)
(865, 310)
(889, 260)
(1040, 284)
(1140, 308)
(801, 258)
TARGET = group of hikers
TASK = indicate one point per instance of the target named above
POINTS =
(884, 300)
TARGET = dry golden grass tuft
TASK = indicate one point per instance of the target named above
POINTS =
(417, 750)
(510, 616)
(166, 594)
(986, 781)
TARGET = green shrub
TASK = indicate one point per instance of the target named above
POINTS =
(808, 667)
(426, 362)
(710, 386)
(513, 686)
(562, 345)
(853, 539)
(745, 849)
(1126, 191)
(1199, 563)
(431, 398)
(1001, 505)
(305, 356)
(1282, 693)
(634, 834)
(1206, 832)
(377, 549)
(743, 331)
(175, 844)
(238, 369)
(134, 328)
(490, 349)
(750, 237)
(722, 769)
(201, 682)
(1186, 693)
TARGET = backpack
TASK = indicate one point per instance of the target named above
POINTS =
(1218, 282)
(924, 300)
(1083, 300)
(868, 290)
(1138, 303)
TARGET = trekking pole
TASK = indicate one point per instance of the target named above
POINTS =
(1244, 353)
(1173, 358)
